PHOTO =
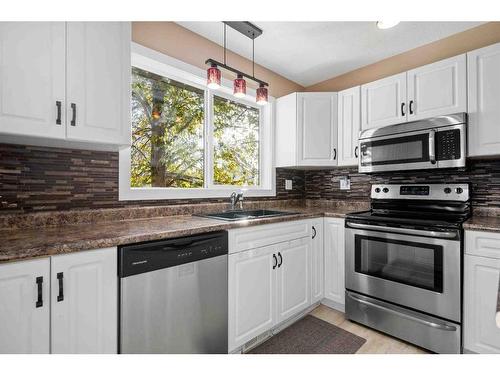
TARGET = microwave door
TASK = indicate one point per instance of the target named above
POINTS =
(416, 150)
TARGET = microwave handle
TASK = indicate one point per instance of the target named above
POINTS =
(432, 146)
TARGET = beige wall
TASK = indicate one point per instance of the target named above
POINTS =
(456, 44)
(181, 43)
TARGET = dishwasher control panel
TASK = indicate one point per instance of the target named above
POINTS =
(155, 255)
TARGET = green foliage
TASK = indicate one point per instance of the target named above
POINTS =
(168, 142)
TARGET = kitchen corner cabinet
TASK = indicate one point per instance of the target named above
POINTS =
(484, 97)
(481, 288)
(334, 262)
(84, 302)
(25, 307)
(431, 90)
(349, 124)
(306, 130)
(60, 304)
(317, 260)
(66, 81)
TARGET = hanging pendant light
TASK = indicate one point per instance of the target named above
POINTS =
(262, 95)
(213, 77)
(239, 87)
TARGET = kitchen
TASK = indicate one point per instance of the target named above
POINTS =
(207, 197)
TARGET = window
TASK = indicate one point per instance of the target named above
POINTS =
(188, 141)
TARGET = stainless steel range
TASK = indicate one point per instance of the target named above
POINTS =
(403, 263)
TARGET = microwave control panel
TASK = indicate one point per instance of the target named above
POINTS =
(448, 144)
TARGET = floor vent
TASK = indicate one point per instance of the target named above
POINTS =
(256, 341)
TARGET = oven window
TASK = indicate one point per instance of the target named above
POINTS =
(398, 150)
(411, 263)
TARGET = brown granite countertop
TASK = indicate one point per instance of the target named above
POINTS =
(485, 223)
(17, 244)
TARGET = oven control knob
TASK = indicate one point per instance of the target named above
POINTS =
(459, 190)
(447, 190)
(385, 190)
(377, 190)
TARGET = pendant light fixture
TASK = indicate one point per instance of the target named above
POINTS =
(239, 85)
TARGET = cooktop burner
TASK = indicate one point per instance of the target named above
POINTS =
(432, 205)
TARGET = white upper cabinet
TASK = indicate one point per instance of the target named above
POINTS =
(84, 302)
(25, 307)
(383, 102)
(484, 98)
(431, 90)
(65, 81)
(306, 130)
(349, 123)
(32, 92)
(98, 86)
(437, 89)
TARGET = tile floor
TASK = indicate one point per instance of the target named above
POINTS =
(376, 342)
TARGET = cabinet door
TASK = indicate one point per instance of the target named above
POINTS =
(84, 301)
(383, 102)
(317, 258)
(32, 78)
(484, 98)
(334, 260)
(349, 122)
(317, 129)
(24, 307)
(437, 89)
(98, 82)
(294, 288)
(251, 294)
(481, 283)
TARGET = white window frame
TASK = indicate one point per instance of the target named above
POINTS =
(161, 64)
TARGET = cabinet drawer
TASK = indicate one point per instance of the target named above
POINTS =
(485, 244)
(241, 239)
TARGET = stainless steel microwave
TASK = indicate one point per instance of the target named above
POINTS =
(438, 142)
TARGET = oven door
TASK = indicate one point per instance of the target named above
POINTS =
(414, 150)
(413, 268)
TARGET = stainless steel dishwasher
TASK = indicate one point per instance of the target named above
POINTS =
(173, 295)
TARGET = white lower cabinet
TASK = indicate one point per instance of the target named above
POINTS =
(25, 307)
(481, 288)
(84, 302)
(334, 263)
(251, 294)
(268, 284)
(317, 260)
(60, 304)
(293, 278)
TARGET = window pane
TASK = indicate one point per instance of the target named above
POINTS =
(167, 132)
(236, 143)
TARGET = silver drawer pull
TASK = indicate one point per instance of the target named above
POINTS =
(403, 230)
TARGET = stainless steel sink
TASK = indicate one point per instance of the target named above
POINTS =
(245, 214)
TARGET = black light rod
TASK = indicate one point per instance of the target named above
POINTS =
(231, 69)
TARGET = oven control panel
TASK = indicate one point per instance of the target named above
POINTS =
(450, 192)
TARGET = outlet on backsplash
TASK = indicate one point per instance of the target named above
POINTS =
(345, 183)
(288, 184)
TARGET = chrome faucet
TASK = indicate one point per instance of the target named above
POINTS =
(235, 198)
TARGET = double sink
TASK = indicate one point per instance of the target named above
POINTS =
(236, 215)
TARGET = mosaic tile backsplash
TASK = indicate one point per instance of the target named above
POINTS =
(36, 179)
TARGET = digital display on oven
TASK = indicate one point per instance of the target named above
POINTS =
(414, 190)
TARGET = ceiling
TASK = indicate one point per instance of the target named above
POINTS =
(311, 52)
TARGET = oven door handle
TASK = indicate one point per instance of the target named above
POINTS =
(444, 327)
(417, 232)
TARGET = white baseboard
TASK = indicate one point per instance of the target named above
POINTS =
(333, 304)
